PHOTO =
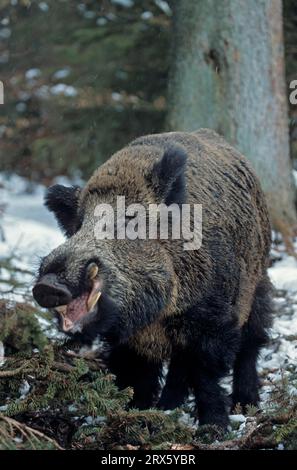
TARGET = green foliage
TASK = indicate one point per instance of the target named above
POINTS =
(140, 428)
(134, 428)
(19, 327)
(54, 396)
(74, 403)
(17, 436)
(278, 423)
(65, 391)
(207, 434)
(69, 388)
(287, 433)
(73, 390)
(58, 386)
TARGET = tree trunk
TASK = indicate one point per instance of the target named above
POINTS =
(228, 75)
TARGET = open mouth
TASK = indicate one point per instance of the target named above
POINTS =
(80, 307)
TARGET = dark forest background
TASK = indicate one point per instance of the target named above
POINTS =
(84, 78)
(115, 58)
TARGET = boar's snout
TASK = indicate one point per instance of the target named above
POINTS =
(49, 292)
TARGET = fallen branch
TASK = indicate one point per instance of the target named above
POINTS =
(17, 371)
(25, 431)
(251, 440)
(62, 367)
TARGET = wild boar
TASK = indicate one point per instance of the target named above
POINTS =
(206, 310)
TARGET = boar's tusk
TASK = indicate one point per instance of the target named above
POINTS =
(94, 295)
(61, 309)
(92, 271)
(92, 300)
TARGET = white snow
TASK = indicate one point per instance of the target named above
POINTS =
(238, 418)
(116, 96)
(164, 6)
(123, 3)
(5, 33)
(2, 354)
(43, 6)
(59, 89)
(62, 73)
(29, 230)
(32, 74)
(43, 92)
(62, 89)
(101, 21)
(146, 15)
(284, 274)
(24, 389)
(294, 172)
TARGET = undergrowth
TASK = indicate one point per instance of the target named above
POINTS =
(55, 396)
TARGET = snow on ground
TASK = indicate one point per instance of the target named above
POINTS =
(28, 227)
(284, 274)
(29, 231)
(279, 359)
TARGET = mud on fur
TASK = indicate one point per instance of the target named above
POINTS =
(206, 311)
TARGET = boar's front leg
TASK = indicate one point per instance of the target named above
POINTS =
(176, 389)
(187, 371)
(210, 400)
(133, 370)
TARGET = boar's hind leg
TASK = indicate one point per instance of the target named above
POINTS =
(133, 370)
(176, 389)
(254, 336)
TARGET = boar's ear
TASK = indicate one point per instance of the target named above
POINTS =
(63, 202)
(168, 175)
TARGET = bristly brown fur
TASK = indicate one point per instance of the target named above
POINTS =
(199, 308)
(235, 214)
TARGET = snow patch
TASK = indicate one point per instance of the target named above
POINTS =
(2, 354)
(164, 6)
(28, 228)
(123, 3)
(62, 73)
(283, 274)
(62, 89)
(32, 74)
(43, 6)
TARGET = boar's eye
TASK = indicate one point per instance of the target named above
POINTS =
(168, 175)
(63, 202)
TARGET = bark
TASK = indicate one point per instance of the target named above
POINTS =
(228, 75)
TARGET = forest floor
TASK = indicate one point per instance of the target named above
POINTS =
(55, 395)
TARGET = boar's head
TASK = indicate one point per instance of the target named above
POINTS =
(112, 287)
